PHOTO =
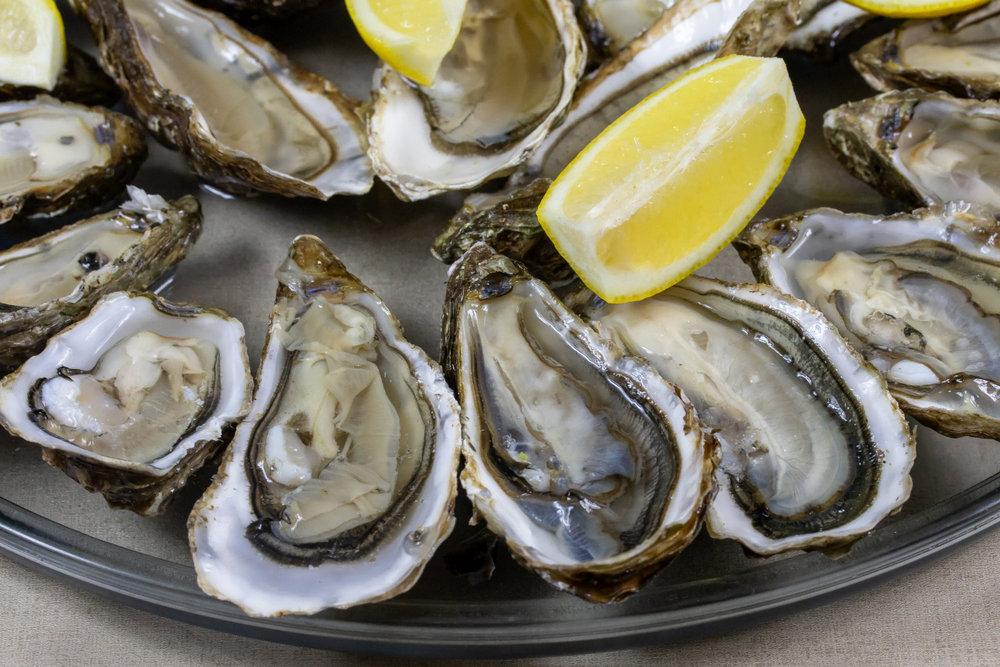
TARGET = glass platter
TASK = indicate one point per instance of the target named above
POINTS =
(48, 523)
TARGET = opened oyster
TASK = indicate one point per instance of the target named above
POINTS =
(920, 148)
(50, 282)
(507, 81)
(133, 398)
(815, 453)
(592, 468)
(341, 483)
(81, 80)
(686, 36)
(244, 117)
(959, 54)
(56, 156)
(916, 294)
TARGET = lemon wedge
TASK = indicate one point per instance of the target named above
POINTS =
(412, 36)
(916, 9)
(673, 180)
(32, 43)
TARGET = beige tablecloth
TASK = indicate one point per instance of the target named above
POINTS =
(945, 614)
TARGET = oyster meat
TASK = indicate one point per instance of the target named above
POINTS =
(244, 117)
(815, 452)
(341, 483)
(50, 282)
(921, 148)
(81, 80)
(917, 294)
(133, 398)
(591, 467)
(507, 81)
(959, 54)
(56, 156)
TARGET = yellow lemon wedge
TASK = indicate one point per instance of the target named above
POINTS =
(32, 43)
(673, 180)
(412, 36)
(916, 9)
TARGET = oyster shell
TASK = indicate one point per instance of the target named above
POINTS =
(56, 156)
(916, 294)
(815, 452)
(959, 54)
(687, 35)
(341, 483)
(81, 80)
(244, 117)
(50, 282)
(133, 398)
(920, 148)
(591, 467)
(507, 81)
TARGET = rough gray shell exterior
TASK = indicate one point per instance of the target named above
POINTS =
(92, 187)
(24, 330)
(82, 81)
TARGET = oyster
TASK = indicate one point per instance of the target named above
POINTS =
(920, 148)
(50, 282)
(506, 82)
(507, 222)
(916, 294)
(686, 36)
(815, 452)
(56, 156)
(81, 80)
(244, 117)
(959, 54)
(591, 467)
(341, 483)
(133, 398)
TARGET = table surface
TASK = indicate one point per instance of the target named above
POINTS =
(947, 613)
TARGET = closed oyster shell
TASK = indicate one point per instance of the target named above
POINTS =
(915, 293)
(81, 80)
(150, 236)
(920, 148)
(276, 128)
(956, 54)
(78, 430)
(591, 467)
(270, 534)
(103, 150)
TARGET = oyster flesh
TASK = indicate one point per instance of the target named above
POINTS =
(56, 156)
(917, 294)
(244, 117)
(50, 282)
(921, 148)
(815, 452)
(507, 81)
(959, 54)
(133, 398)
(341, 483)
(591, 467)
(81, 80)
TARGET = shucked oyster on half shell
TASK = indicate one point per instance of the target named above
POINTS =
(505, 83)
(920, 148)
(341, 483)
(592, 468)
(244, 117)
(133, 398)
(815, 452)
(959, 54)
(50, 282)
(916, 294)
(56, 156)
(81, 80)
